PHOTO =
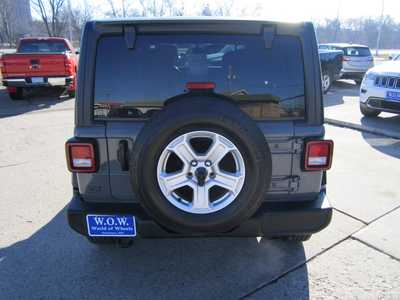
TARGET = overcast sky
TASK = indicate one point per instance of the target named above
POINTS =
(287, 10)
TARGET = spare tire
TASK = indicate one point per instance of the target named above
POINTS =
(200, 165)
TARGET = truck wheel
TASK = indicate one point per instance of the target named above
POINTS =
(201, 165)
(16, 94)
(326, 82)
(368, 112)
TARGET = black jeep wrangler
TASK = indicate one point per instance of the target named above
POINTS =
(198, 127)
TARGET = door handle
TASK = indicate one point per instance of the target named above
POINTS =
(123, 155)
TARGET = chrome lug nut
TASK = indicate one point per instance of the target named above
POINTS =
(212, 175)
(193, 163)
(208, 163)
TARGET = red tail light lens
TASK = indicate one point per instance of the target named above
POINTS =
(200, 85)
(81, 157)
(68, 64)
(11, 89)
(318, 155)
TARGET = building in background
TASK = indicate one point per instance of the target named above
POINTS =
(15, 20)
(21, 9)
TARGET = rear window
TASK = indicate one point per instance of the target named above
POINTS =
(357, 51)
(134, 83)
(42, 47)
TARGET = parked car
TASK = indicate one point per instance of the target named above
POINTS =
(331, 66)
(357, 59)
(38, 62)
(173, 140)
(380, 89)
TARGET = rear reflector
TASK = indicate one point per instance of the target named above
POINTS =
(81, 157)
(200, 85)
(11, 89)
(318, 155)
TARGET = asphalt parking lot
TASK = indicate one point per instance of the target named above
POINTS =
(357, 256)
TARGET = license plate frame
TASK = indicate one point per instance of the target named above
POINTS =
(393, 96)
(107, 225)
(37, 80)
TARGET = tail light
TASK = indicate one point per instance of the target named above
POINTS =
(318, 155)
(11, 89)
(81, 157)
(68, 64)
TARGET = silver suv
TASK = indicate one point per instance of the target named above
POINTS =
(198, 127)
(357, 59)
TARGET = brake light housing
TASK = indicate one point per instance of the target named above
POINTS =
(81, 157)
(68, 63)
(318, 155)
(200, 86)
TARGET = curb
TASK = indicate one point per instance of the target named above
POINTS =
(362, 128)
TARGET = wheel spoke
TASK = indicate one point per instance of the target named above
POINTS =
(183, 150)
(174, 181)
(228, 181)
(218, 150)
(201, 199)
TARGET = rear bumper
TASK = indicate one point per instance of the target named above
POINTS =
(374, 97)
(382, 104)
(352, 74)
(271, 220)
(47, 81)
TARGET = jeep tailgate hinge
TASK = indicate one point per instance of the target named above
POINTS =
(297, 146)
(294, 182)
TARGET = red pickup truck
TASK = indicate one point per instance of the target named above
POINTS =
(38, 62)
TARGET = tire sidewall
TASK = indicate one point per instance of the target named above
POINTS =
(327, 88)
(163, 130)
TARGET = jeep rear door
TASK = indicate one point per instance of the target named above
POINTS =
(267, 77)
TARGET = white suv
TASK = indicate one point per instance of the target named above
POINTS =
(380, 89)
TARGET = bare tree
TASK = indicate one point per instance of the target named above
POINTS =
(224, 9)
(122, 9)
(51, 12)
(113, 13)
(78, 16)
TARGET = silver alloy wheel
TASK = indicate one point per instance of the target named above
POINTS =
(326, 81)
(193, 187)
